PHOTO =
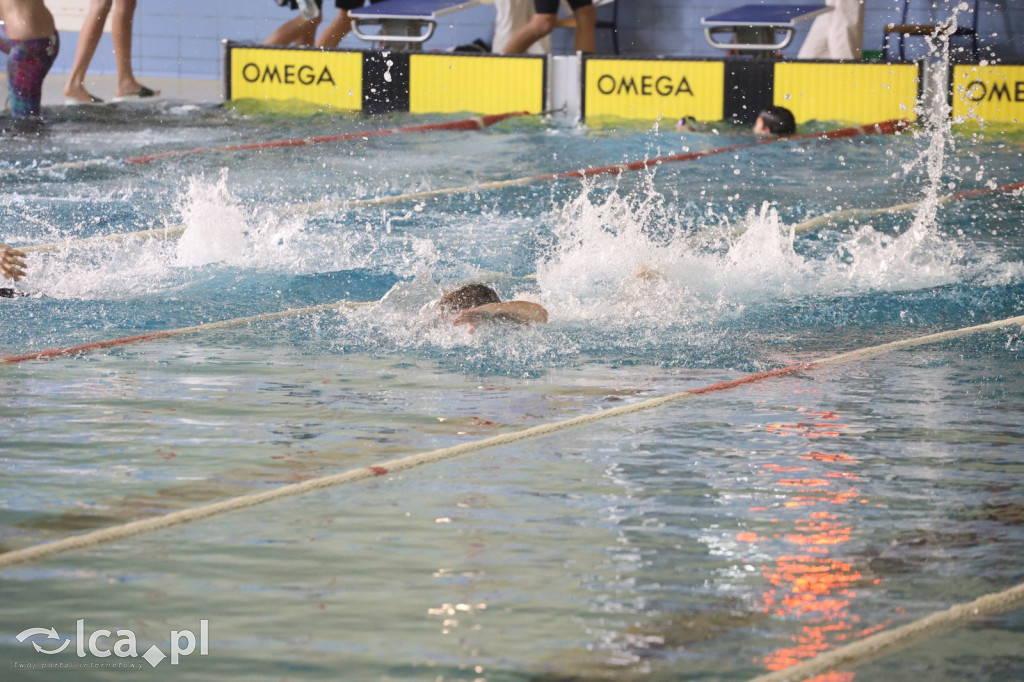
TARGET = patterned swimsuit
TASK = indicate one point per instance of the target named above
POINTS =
(28, 61)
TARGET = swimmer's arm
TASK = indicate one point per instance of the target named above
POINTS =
(521, 312)
(12, 263)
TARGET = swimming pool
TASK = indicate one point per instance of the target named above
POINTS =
(715, 539)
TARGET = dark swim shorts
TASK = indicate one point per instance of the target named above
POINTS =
(551, 6)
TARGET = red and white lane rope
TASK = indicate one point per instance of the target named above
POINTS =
(133, 528)
(174, 231)
(180, 331)
(881, 128)
(473, 123)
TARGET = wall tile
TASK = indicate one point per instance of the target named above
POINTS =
(183, 38)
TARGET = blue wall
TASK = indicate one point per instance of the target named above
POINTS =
(182, 38)
(673, 26)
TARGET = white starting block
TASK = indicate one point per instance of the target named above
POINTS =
(404, 23)
(756, 28)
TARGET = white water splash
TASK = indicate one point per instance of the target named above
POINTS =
(936, 114)
(88, 274)
(621, 260)
(215, 224)
(922, 255)
(220, 232)
(219, 229)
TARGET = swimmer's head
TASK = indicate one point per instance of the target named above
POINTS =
(469, 296)
(775, 121)
(686, 124)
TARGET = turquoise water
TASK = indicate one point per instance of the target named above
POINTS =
(711, 540)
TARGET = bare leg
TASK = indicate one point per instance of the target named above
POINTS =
(298, 31)
(123, 17)
(336, 30)
(88, 39)
(586, 29)
(538, 27)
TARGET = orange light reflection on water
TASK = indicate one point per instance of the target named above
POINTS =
(810, 584)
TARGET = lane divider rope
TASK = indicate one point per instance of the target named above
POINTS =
(472, 123)
(159, 233)
(851, 213)
(889, 641)
(171, 232)
(881, 128)
(66, 165)
(180, 331)
(133, 528)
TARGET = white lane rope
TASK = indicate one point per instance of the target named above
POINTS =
(133, 528)
(889, 641)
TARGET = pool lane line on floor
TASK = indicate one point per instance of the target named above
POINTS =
(465, 124)
(853, 213)
(173, 231)
(182, 331)
(133, 528)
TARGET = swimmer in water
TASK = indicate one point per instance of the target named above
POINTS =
(476, 304)
(775, 121)
(12, 266)
(12, 263)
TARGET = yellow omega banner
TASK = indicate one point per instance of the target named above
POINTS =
(851, 93)
(483, 85)
(642, 89)
(994, 94)
(330, 79)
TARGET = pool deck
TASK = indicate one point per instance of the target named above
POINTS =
(184, 89)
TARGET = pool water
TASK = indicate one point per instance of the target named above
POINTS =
(711, 540)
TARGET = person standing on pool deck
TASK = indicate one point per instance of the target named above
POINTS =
(509, 17)
(302, 32)
(543, 23)
(476, 304)
(838, 34)
(127, 88)
(29, 38)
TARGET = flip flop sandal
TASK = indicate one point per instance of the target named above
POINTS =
(144, 93)
(92, 101)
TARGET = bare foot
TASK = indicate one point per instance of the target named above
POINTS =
(78, 93)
